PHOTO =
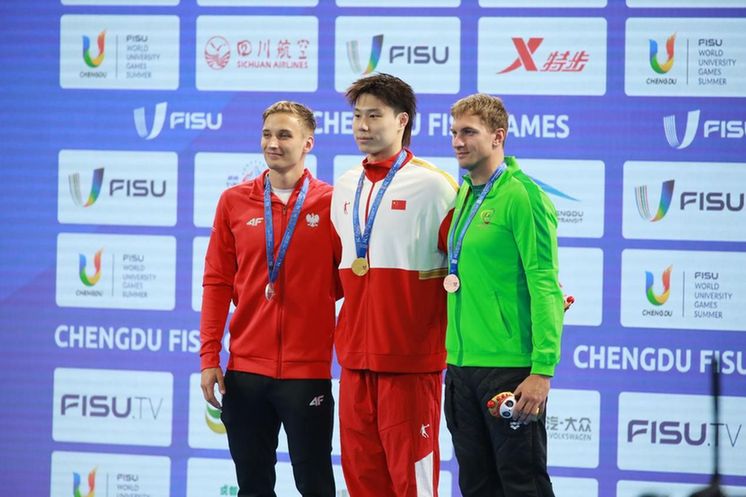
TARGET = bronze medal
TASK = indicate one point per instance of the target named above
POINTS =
(269, 291)
(451, 283)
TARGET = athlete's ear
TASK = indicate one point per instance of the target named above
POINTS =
(308, 146)
(498, 138)
(403, 118)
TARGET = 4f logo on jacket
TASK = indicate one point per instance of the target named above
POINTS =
(254, 221)
(316, 402)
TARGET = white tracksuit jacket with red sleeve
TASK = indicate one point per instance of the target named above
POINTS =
(394, 318)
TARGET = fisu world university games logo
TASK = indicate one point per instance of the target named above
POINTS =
(94, 62)
(353, 55)
(75, 192)
(655, 64)
(658, 299)
(643, 201)
(85, 278)
(91, 484)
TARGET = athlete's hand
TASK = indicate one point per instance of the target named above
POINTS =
(530, 397)
(211, 376)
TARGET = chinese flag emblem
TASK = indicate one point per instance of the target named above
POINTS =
(398, 205)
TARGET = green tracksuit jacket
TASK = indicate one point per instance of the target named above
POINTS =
(509, 309)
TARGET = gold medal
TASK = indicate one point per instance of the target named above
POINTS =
(360, 266)
(451, 283)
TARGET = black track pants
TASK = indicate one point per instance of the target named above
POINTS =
(254, 406)
(496, 458)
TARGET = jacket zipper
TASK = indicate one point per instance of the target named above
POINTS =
(367, 256)
(281, 316)
(460, 355)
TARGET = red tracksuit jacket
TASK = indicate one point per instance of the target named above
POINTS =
(291, 335)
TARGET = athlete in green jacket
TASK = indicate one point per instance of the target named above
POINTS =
(505, 310)
(509, 309)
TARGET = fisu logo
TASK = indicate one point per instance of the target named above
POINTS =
(643, 201)
(159, 118)
(353, 55)
(669, 127)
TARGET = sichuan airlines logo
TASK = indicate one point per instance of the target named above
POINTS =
(82, 268)
(75, 193)
(353, 55)
(94, 62)
(658, 299)
(91, 484)
(556, 61)
(655, 63)
(217, 53)
(672, 135)
(643, 201)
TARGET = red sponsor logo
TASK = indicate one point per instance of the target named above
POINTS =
(217, 53)
(557, 61)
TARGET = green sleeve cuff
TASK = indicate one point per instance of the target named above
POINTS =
(543, 369)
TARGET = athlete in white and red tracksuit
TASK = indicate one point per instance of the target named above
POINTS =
(391, 329)
(279, 367)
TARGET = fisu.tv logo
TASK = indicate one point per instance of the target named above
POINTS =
(176, 119)
(91, 484)
(94, 62)
(655, 64)
(85, 278)
(658, 299)
(643, 201)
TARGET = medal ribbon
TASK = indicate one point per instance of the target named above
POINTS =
(455, 252)
(273, 267)
(362, 240)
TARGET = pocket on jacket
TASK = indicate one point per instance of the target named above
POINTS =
(508, 310)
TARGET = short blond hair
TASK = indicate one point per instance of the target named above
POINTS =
(488, 108)
(303, 113)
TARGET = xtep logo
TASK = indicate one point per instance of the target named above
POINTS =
(84, 278)
(187, 120)
(654, 63)
(643, 202)
(94, 62)
(525, 52)
(353, 55)
(658, 299)
(669, 126)
(212, 418)
(557, 61)
(553, 191)
(91, 484)
(74, 182)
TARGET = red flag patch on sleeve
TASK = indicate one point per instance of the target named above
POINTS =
(398, 205)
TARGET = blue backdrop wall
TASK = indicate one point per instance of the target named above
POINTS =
(123, 120)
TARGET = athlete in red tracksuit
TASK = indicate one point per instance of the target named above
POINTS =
(281, 331)
(391, 330)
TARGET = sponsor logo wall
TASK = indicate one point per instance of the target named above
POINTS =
(125, 120)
